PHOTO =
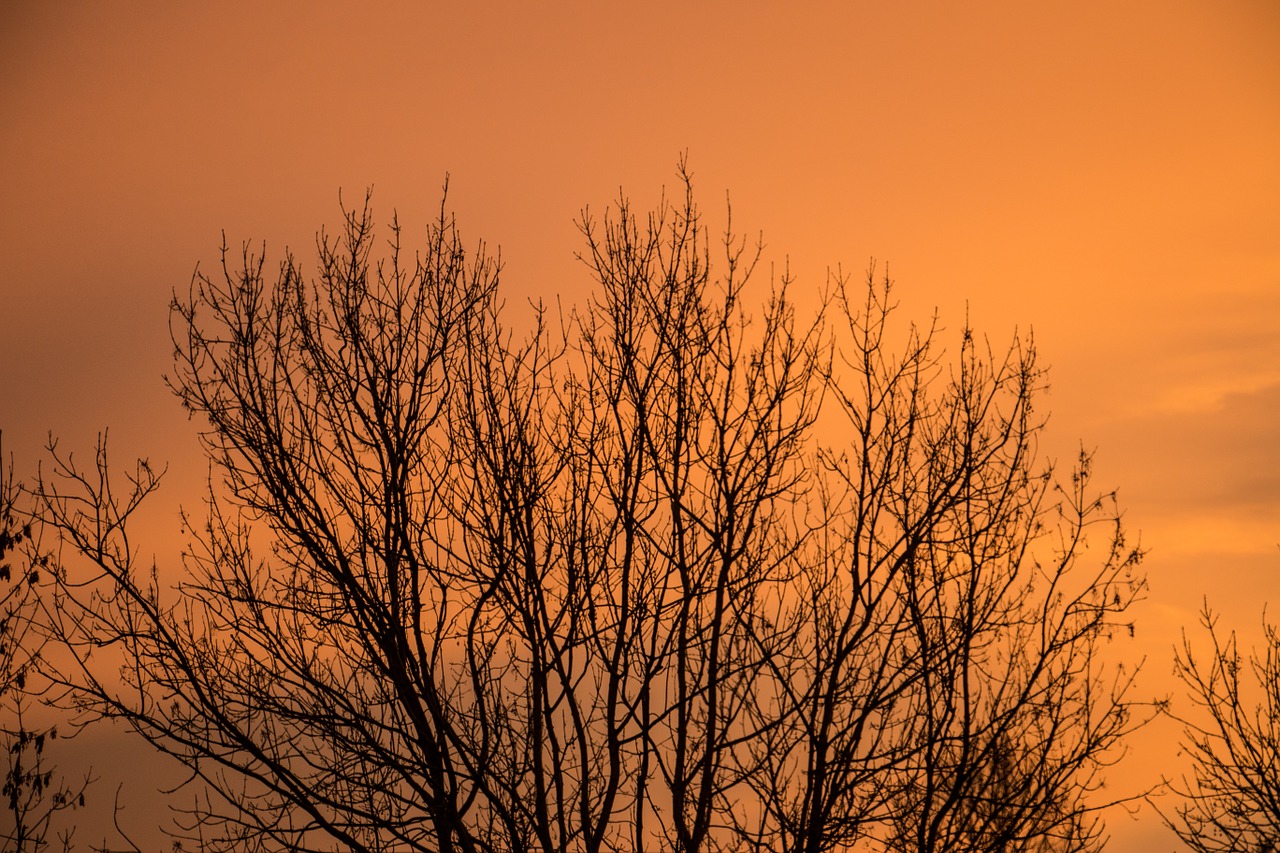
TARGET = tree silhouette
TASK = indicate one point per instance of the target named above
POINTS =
(668, 572)
(32, 792)
(1231, 802)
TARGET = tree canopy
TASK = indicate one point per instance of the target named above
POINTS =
(677, 569)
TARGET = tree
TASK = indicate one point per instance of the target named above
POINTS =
(1231, 802)
(665, 573)
(32, 791)
(950, 688)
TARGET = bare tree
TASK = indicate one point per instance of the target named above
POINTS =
(669, 572)
(33, 790)
(945, 673)
(1231, 800)
(1019, 708)
(693, 425)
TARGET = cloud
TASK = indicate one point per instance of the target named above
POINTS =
(1221, 457)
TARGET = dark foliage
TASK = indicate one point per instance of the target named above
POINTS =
(32, 791)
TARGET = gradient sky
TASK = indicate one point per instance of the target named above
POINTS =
(1107, 173)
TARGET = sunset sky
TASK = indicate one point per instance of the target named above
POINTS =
(1105, 173)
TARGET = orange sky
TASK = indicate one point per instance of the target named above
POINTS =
(1107, 173)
